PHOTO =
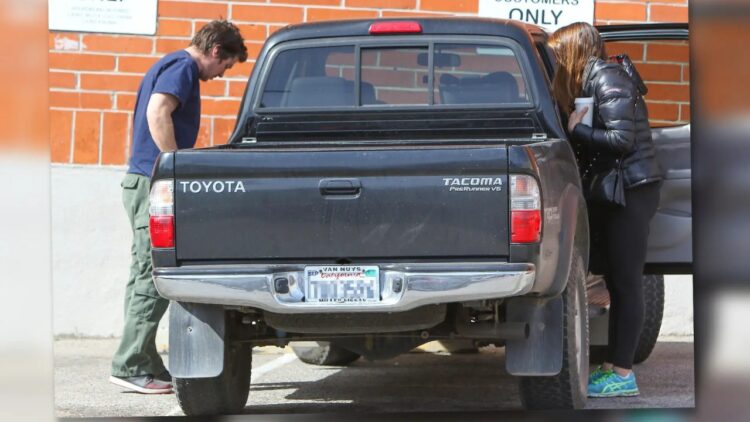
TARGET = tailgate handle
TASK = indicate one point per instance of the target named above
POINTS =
(340, 187)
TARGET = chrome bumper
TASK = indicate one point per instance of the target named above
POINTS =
(420, 284)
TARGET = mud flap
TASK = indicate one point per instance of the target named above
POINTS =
(196, 340)
(542, 352)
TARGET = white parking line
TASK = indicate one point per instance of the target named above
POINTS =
(177, 411)
(256, 374)
(270, 366)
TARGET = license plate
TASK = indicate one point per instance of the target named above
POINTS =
(343, 284)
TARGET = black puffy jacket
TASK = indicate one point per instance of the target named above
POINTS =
(620, 127)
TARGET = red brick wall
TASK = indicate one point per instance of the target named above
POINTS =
(664, 66)
(93, 77)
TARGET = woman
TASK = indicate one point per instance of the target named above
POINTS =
(621, 133)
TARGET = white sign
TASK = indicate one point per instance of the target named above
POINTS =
(549, 14)
(108, 16)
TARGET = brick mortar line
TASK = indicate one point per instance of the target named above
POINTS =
(165, 37)
(384, 9)
(104, 53)
(306, 7)
(667, 102)
(113, 37)
(681, 5)
(101, 136)
(98, 72)
(108, 73)
(72, 140)
(130, 113)
(617, 22)
(118, 73)
(90, 166)
(93, 92)
(645, 3)
(111, 72)
(667, 82)
(176, 18)
(128, 138)
(80, 91)
(670, 123)
(648, 62)
(87, 109)
(213, 99)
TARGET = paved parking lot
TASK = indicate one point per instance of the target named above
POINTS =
(414, 382)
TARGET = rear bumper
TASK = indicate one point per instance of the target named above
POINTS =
(421, 284)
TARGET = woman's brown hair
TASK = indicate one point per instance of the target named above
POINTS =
(573, 45)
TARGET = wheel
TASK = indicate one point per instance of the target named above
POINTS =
(323, 353)
(225, 394)
(567, 389)
(653, 294)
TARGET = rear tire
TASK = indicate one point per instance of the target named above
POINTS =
(653, 294)
(568, 389)
(323, 353)
(222, 395)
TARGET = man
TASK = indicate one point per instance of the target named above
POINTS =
(166, 118)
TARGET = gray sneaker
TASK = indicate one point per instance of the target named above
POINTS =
(164, 376)
(144, 384)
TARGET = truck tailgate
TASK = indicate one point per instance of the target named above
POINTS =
(255, 204)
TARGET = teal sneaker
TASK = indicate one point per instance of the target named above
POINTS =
(598, 372)
(612, 385)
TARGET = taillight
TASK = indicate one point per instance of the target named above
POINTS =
(161, 214)
(525, 209)
(395, 27)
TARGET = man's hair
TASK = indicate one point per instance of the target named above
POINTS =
(224, 34)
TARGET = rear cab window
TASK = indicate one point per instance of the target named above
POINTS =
(478, 74)
(367, 75)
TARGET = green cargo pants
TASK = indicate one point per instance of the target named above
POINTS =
(144, 307)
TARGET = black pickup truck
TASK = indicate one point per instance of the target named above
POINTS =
(388, 183)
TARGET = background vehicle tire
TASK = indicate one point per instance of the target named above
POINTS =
(225, 394)
(653, 293)
(323, 353)
(568, 389)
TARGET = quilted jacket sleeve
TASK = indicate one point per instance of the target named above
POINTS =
(615, 96)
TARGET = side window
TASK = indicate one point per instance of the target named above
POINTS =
(311, 77)
(548, 58)
(477, 74)
(396, 76)
(665, 68)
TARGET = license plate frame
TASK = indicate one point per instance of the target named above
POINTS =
(342, 284)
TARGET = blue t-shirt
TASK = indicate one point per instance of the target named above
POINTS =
(175, 74)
